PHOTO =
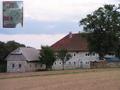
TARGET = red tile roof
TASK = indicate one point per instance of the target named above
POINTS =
(72, 42)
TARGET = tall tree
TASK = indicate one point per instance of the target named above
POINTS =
(64, 56)
(103, 26)
(47, 57)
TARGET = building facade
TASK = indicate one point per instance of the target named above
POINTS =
(23, 59)
(77, 46)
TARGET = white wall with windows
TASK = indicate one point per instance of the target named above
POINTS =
(16, 66)
(78, 60)
(22, 66)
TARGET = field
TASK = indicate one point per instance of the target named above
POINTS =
(91, 79)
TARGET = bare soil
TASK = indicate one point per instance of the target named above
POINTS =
(100, 79)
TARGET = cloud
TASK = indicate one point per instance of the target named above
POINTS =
(61, 10)
(58, 10)
(33, 40)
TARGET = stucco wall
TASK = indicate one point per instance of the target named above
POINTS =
(78, 60)
(15, 67)
(33, 66)
(25, 66)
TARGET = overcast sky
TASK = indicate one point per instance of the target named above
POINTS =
(46, 21)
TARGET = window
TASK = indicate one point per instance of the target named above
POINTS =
(20, 65)
(74, 63)
(77, 52)
(87, 54)
(60, 62)
(13, 65)
(93, 54)
(36, 65)
(30, 65)
(69, 62)
(74, 54)
(87, 62)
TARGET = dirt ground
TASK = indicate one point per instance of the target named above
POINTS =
(92, 80)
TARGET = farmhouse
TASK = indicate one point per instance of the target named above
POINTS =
(23, 59)
(77, 46)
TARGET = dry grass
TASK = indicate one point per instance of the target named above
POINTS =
(100, 79)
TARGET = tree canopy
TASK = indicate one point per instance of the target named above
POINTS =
(103, 26)
(6, 48)
(47, 57)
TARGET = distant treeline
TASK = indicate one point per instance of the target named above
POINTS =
(6, 48)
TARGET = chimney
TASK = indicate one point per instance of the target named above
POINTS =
(70, 34)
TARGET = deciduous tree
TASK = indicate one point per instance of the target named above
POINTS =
(103, 26)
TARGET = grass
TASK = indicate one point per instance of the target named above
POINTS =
(54, 72)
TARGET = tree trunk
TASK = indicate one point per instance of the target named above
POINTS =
(63, 65)
(101, 56)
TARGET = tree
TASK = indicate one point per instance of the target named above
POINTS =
(2, 51)
(47, 57)
(63, 56)
(5, 49)
(12, 45)
(103, 26)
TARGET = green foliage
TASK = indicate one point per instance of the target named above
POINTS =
(103, 26)
(5, 49)
(47, 57)
(63, 56)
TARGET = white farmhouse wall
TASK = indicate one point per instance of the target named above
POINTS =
(15, 67)
(33, 66)
(25, 66)
(78, 60)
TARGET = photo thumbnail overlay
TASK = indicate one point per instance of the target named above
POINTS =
(12, 14)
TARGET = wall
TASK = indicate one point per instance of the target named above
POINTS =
(15, 67)
(33, 66)
(78, 60)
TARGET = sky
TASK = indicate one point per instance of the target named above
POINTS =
(47, 21)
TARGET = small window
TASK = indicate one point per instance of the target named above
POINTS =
(74, 63)
(30, 65)
(20, 65)
(35, 65)
(93, 54)
(77, 52)
(41, 65)
(74, 54)
(55, 63)
(60, 62)
(13, 65)
(69, 62)
(87, 62)
(87, 54)
(81, 62)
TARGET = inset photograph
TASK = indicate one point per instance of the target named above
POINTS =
(12, 14)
